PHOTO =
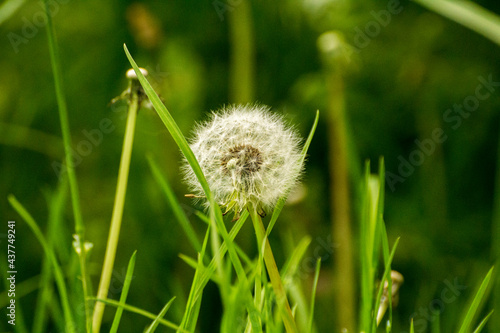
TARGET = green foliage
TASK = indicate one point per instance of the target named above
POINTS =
(432, 225)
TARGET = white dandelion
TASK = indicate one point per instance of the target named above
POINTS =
(249, 157)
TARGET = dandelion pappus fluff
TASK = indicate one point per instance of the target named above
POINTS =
(249, 156)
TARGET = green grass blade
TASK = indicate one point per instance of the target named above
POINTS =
(412, 329)
(468, 14)
(478, 298)
(194, 296)
(171, 125)
(58, 275)
(483, 322)
(56, 204)
(69, 168)
(174, 204)
(367, 272)
(205, 277)
(386, 254)
(281, 202)
(124, 293)
(63, 117)
(162, 313)
(313, 294)
(386, 276)
(139, 311)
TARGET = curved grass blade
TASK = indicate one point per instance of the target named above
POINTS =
(162, 313)
(475, 303)
(468, 14)
(313, 294)
(139, 311)
(386, 276)
(123, 296)
(483, 322)
(174, 204)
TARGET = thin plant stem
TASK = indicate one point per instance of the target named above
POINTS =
(340, 202)
(70, 168)
(116, 218)
(274, 274)
(242, 54)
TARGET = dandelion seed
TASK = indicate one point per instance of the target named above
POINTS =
(249, 157)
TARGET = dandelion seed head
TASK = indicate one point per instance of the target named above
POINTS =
(249, 156)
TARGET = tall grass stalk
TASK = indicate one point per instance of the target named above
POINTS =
(116, 218)
(241, 84)
(70, 168)
(335, 63)
(272, 270)
(45, 295)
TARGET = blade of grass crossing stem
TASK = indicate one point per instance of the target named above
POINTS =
(174, 204)
(292, 265)
(292, 275)
(313, 294)
(162, 313)
(195, 302)
(483, 322)
(139, 311)
(281, 202)
(70, 168)
(58, 275)
(194, 296)
(123, 296)
(274, 274)
(478, 298)
(386, 276)
(221, 271)
(205, 277)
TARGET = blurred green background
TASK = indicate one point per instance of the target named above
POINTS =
(398, 83)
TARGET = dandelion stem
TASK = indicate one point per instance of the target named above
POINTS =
(242, 54)
(274, 274)
(116, 219)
